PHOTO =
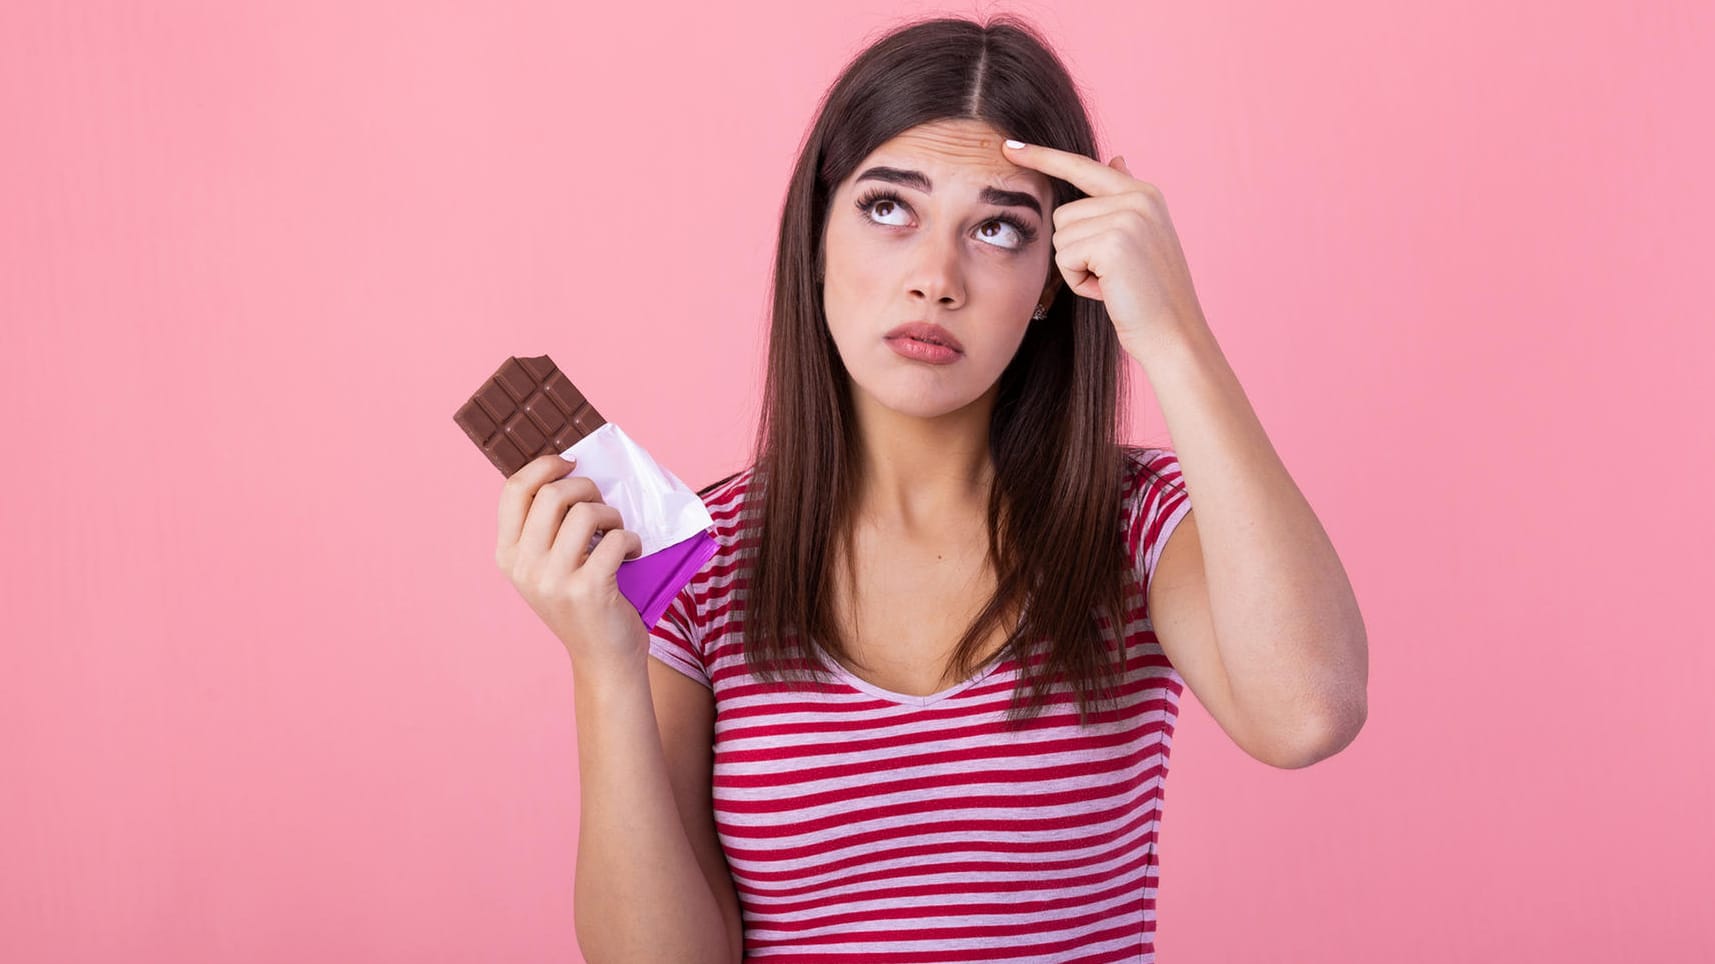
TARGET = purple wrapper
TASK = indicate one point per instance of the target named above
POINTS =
(650, 583)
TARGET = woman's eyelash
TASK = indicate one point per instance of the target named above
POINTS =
(1025, 229)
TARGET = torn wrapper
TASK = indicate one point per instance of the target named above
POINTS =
(670, 519)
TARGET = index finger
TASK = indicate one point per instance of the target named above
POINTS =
(1084, 173)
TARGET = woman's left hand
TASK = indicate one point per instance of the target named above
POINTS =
(1118, 245)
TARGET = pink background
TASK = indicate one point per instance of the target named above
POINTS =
(265, 696)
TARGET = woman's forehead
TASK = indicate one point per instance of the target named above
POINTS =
(962, 150)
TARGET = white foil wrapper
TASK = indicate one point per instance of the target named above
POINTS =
(653, 503)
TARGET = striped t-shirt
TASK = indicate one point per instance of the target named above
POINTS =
(866, 825)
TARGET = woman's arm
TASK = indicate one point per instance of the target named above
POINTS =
(641, 895)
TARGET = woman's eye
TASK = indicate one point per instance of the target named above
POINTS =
(1001, 227)
(883, 207)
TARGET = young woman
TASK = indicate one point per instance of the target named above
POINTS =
(920, 703)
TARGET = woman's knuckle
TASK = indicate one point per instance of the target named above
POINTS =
(523, 572)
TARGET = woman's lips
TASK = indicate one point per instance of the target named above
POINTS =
(925, 331)
(924, 351)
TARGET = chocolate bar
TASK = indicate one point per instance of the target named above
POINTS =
(527, 408)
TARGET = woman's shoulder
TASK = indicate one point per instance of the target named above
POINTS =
(725, 500)
(723, 489)
(728, 490)
(1142, 463)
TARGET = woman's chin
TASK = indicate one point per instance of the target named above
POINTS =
(926, 401)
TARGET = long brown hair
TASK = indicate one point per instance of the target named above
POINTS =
(1054, 511)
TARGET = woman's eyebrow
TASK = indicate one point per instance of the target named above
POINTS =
(920, 181)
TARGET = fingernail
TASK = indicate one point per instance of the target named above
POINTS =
(1014, 144)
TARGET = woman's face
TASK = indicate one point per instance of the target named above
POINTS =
(925, 244)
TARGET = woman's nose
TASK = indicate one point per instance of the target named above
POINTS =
(937, 274)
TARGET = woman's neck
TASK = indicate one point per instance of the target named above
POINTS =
(918, 474)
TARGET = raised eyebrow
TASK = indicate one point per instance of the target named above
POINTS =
(920, 181)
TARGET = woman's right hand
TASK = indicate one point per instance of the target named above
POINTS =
(547, 520)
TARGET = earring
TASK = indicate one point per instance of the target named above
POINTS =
(1040, 313)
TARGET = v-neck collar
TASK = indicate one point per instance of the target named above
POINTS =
(904, 699)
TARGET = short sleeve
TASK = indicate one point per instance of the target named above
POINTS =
(677, 638)
(1156, 501)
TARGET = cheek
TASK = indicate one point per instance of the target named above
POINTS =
(1009, 284)
(856, 266)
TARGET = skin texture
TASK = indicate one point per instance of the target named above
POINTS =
(938, 257)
